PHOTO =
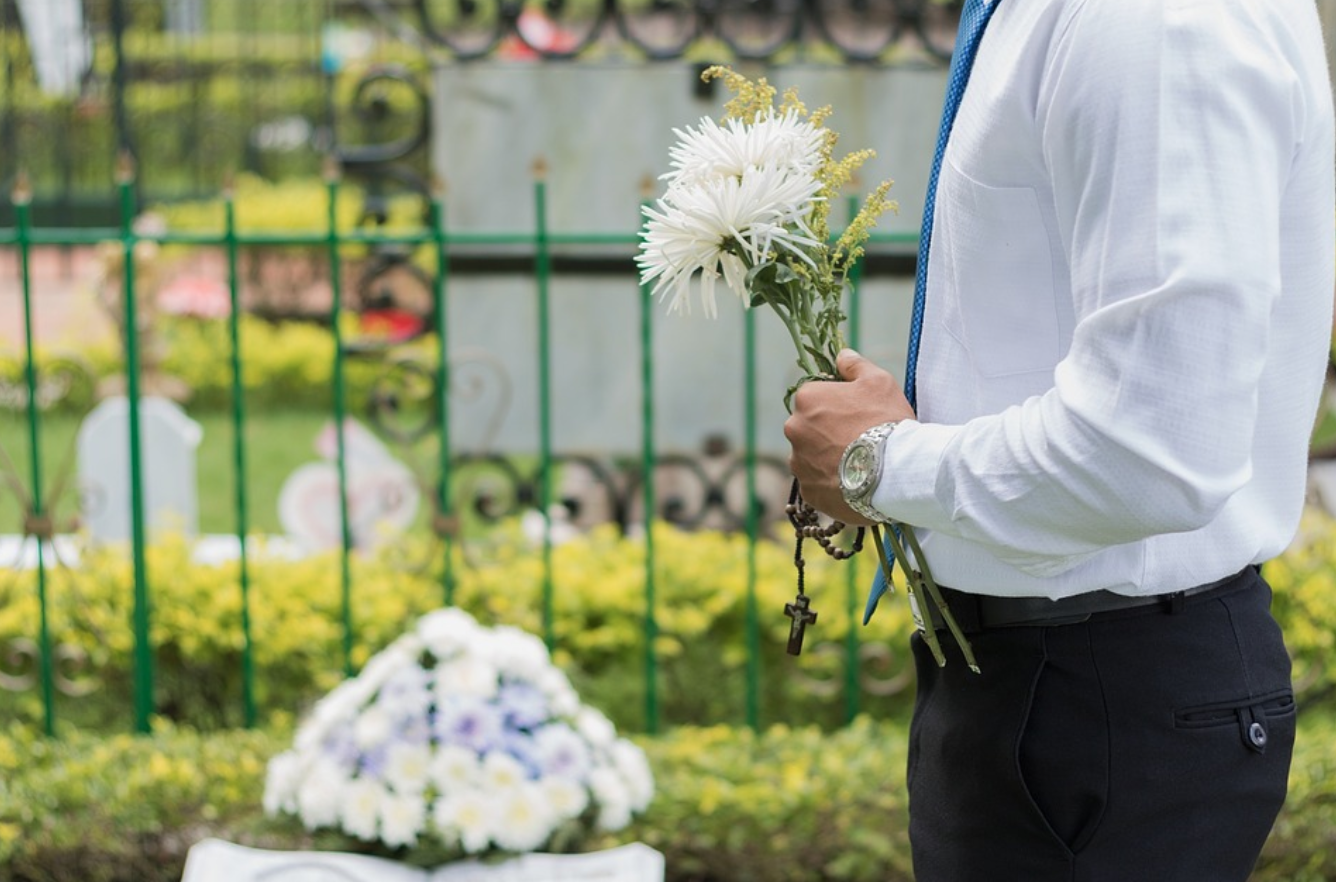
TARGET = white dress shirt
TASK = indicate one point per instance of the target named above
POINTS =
(1129, 299)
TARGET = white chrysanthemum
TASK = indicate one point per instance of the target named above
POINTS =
(406, 692)
(400, 654)
(454, 769)
(336, 709)
(449, 631)
(632, 765)
(372, 728)
(280, 783)
(468, 817)
(401, 820)
(613, 798)
(517, 654)
(524, 819)
(561, 696)
(595, 728)
(501, 772)
(361, 809)
(713, 151)
(560, 751)
(566, 797)
(320, 794)
(467, 675)
(720, 228)
(406, 768)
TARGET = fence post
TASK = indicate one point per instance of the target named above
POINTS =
(650, 503)
(439, 306)
(851, 692)
(341, 463)
(143, 703)
(752, 523)
(119, 76)
(39, 525)
(543, 272)
(239, 452)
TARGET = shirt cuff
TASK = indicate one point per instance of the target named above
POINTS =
(907, 489)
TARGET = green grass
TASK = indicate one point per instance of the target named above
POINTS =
(277, 443)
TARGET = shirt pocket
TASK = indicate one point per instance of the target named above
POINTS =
(1001, 264)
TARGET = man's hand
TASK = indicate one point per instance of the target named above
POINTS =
(827, 417)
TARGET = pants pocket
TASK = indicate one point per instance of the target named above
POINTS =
(1257, 718)
(1062, 753)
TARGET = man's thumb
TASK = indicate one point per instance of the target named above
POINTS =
(851, 365)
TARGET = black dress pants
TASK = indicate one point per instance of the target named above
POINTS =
(1145, 745)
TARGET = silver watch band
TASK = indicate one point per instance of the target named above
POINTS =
(875, 438)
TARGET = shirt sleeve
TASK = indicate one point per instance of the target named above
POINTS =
(1168, 128)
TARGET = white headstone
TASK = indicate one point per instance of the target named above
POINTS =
(382, 493)
(169, 440)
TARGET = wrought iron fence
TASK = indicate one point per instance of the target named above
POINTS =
(852, 31)
(196, 89)
(409, 400)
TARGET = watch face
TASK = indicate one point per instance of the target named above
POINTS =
(856, 471)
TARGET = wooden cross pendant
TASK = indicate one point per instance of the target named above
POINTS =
(802, 614)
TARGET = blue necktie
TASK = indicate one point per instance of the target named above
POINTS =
(973, 19)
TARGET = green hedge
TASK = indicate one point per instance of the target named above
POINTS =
(287, 366)
(599, 606)
(785, 805)
(702, 612)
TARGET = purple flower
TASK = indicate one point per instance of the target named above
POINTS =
(523, 748)
(372, 762)
(415, 729)
(340, 747)
(469, 722)
(561, 752)
(523, 706)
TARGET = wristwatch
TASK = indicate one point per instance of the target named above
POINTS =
(860, 469)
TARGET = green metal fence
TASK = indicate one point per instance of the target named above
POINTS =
(25, 237)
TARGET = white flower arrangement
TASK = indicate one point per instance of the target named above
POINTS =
(459, 739)
(748, 200)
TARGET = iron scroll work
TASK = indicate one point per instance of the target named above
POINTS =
(860, 31)
(704, 490)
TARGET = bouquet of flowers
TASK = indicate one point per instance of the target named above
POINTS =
(748, 201)
(459, 740)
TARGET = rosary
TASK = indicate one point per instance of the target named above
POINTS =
(806, 526)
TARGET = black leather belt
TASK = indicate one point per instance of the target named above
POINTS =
(978, 612)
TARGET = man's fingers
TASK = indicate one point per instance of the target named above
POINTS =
(852, 366)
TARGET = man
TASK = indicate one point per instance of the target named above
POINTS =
(1128, 307)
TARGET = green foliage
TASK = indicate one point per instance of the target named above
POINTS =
(782, 805)
(785, 805)
(702, 612)
(296, 614)
(1302, 847)
(297, 205)
(285, 366)
(1304, 582)
(124, 807)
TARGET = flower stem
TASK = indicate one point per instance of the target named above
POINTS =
(914, 581)
(804, 358)
(935, 593)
